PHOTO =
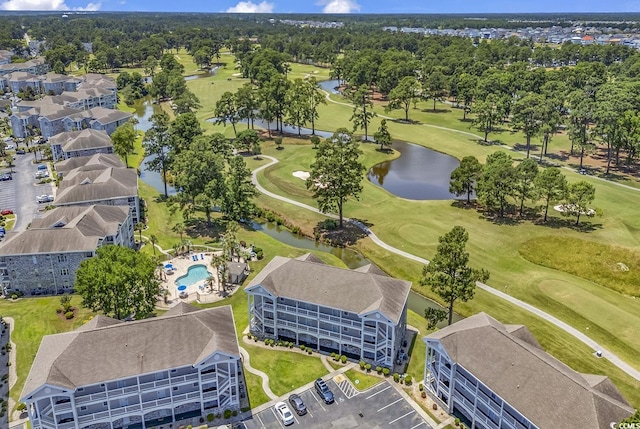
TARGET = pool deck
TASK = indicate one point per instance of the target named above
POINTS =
(181, 265)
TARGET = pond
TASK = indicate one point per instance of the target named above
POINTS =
(330, 86)
(418, 174)
(144, 108)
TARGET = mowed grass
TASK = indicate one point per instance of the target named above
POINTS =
(617, 268)
(361, 380)
(286, 370)
(35, 318)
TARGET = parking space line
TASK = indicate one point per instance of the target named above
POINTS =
(387, 406)
(419, 424)
(410, 412)
(261, 422)
(277, 418)
(380, 391)
(318, 401)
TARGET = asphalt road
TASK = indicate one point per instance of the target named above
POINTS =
(20, 193)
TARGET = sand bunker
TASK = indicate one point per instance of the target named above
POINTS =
(304, 175)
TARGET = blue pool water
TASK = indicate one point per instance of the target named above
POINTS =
(195, 274)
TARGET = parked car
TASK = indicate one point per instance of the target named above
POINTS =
(284, 413)
(298, 406)
(20, 152)
(41, 174)
(44, 198)
(323, 390)
(6, 176)
(10, 147)
(5, 212)
(42, 167)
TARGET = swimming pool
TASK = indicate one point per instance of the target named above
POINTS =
(195, 274)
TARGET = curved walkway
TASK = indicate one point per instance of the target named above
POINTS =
(614, 359)
(262, 375)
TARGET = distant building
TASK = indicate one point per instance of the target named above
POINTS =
(170, 370)
(358, 313)
(73, 144)
(495, 376)
(109, 186)
(35, 66)
(43, 260)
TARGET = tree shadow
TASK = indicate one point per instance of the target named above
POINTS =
(560, 156)
(481, 142)
(462, 204)
(329, 233)
(436, 111)
(385, 150)
(197, 227)
(568, 223)
(466, 120)
(406, 122)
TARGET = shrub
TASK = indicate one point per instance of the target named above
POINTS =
(255, 338)
(368, 367)
(362, 364)
(234, 413)
(396, 377)
(408, 380)
(343, 359)
(302, 347)
(291, 345)
(227, 414)
(259, 253)
(378, 369)
(210, 418)
(68, 315)
(266, 341)
(457, 422)
(386, 371)
(309, 351)
(333, 355)
(14, 296)
(59, 310)
(421, 387)
(423, 394)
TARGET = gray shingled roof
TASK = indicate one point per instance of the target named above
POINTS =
(79, 140)
(97, 185)
(334, 287)
(543, 389)
(84, 357)
(98, 161)
(81, 229)
(107, 116)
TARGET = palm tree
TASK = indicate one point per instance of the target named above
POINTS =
(153, 240)
(179, 229)
(219, 262)
(139, 227)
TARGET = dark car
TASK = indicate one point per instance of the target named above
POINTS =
(20, 152)
(298, 406)
(323, 390)
(6, 177)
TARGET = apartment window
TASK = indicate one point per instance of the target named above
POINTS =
(83, 408)
(88, 254)
(195, 384)
(64, 271)
(80, 389)
(175, 388)
(62, 258)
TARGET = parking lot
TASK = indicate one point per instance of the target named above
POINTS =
(20, 193)
(379, 407)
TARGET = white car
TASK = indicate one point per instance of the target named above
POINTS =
(284, 413)
(44, 198)
(41, 174)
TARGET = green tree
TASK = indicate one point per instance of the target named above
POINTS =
(580, 117)
(297, 104)
(336, 174)
(527, 116)
(139, 227)
(118, 282)
(237, 202)
(362, 109)
(580, 195)
(124, 138)
(157, 144)
(550, 186)
(466, 91)
(248, 103)
(465, 177)
(383, 136)
(448, 273)
(227, 110)
(497, 182)
(526, 173)
(403, 95)
(154, 240)
(436, 87)
(315, 97)
(434, 316)
(183, 131)
(246, 140)
(486, 114)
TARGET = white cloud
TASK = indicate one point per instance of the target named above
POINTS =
(251, 7)
(339, 6)
(45, 5)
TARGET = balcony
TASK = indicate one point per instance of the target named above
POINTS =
(184, 379)
(149, 386)
(93, 417)
(125, 390)
(59, 408)
(95, 397)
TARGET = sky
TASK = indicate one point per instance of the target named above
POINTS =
(328, 6)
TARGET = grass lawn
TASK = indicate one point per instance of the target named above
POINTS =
(286, 370)
(254, 387)
(493, 245)
(417, 352)
(35, 318)
(361, 380)
(9, 222)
